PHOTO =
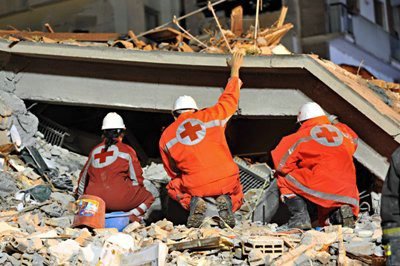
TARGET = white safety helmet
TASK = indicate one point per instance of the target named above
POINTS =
(184, 102)
(309, 110)
(113, 121)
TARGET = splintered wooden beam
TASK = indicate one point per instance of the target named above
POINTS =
(61, 36)
(165, 35)
(282, 16)
(237, 20)
(203, 244)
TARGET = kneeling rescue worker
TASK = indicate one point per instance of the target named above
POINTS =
(196, 155)
(113, 173)
(316, 164)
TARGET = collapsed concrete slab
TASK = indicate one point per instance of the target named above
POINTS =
(274, 87)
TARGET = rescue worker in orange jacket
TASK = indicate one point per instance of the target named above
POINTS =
(316, 164)
(113, 173)
(196, 155)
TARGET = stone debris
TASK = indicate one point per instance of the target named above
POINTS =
(36, 219)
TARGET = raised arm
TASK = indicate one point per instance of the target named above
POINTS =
(228, 102)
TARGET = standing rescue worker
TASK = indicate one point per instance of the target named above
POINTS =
(196, 155)
(390, 211)
(113, 172)
(316, 164)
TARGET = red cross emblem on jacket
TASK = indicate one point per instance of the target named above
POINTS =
(327, 135)
(191, 131)
(102, 156)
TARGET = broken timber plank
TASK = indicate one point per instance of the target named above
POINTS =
(237, 20)
(282, 17)
(165, 35)
(90, 37)
(204, 244)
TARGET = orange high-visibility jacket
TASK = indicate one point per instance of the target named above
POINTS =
(115, 176)
(196, 155)
(316, 163)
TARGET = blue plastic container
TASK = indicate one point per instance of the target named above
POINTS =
(117, 220)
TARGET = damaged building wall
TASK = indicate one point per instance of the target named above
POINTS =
(25, 122)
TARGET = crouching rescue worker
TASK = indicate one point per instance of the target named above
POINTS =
(114, 174)
(316, 164)
(390, 211)
(196, 155)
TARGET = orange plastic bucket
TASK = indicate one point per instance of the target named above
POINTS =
(90, 212)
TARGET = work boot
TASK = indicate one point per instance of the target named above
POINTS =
(224, 205)
(198, 208)
(299, 217)
(343, 215)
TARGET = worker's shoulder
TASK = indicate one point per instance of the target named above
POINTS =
(98, 145)
(169, 131)
(291, 139)
(123, 147)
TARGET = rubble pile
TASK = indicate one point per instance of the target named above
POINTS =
(255, 41)
(37, 208)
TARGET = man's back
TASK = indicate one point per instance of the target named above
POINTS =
(196, 143)
(316, 159)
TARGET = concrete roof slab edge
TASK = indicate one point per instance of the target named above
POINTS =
(389, 125)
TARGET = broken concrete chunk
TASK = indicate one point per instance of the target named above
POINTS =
(54, 210)
(156, 232)
(165, 225)
(360, 248)
(62, 198)
(6, 229)
(8, 185)
(105, 232)
(83, 237)
(62, 222)
(256, 257)
(132, 227)
(155, 254)
(63, 252)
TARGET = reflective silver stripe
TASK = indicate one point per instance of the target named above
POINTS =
(291, 150)
(171, 143)
(143, 207)
(213, 123)
(82, 183)
(209, 124)
(135, 212)
(132, 173)
(322, 195)
(223, 122)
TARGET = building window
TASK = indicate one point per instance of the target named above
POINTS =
(396, 21)
(152, 17)
(379, 12)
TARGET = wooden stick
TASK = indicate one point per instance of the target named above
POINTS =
(282, 16)
(176, 22)
(210, 7)
(256, 24)
(49, 28)
(27, 209)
